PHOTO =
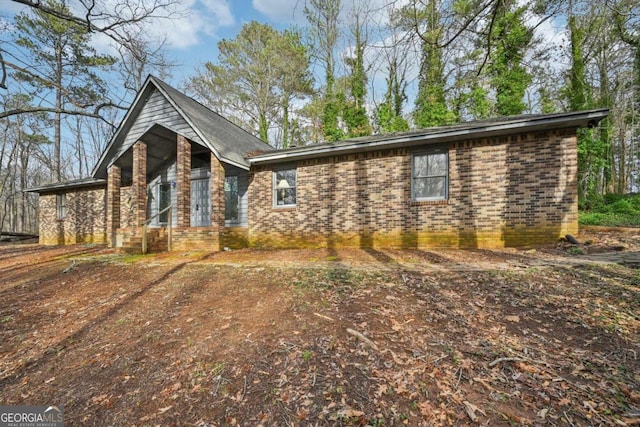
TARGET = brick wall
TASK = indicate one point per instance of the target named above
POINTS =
(139, 185)
(512, 191)
(127, 207)
(195, 239)
(183, 180)
(85, 221)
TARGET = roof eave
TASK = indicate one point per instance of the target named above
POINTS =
(69, 185)
(134, 105)
(568, 120)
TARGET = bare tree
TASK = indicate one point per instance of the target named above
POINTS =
(120, 20)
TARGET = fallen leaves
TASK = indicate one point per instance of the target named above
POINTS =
(290, 345)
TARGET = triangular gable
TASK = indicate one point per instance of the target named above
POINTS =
(159, 104)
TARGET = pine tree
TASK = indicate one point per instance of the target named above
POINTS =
(69, 67)
(509, 39)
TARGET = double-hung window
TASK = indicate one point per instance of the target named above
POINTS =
(61, 206)
(284, 187)
(430, 175)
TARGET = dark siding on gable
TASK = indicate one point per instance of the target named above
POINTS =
(157, 110)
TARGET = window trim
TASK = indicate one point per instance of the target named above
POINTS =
(274, 189)
(427, 152)
(61, 206)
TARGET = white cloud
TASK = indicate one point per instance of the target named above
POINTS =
(205, 17)
(281, 11)
(221, 11)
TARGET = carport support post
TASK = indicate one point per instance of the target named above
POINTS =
(114, 181)
(139, 183)
(183, 184)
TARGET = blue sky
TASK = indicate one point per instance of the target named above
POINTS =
(192, 34)
(192, 38)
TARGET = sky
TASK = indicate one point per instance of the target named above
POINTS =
(193, 34)
(192, 39)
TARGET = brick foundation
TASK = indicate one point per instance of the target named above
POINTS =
(195, 239)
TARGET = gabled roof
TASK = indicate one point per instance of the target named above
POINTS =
(228, 142)
(463, 131)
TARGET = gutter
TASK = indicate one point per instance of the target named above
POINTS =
(436, 135)
(58, 186)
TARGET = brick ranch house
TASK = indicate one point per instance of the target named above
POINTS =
(506, 182)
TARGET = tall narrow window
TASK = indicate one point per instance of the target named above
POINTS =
(164, 201)
(284, 188)
(231, 199)
(430, 171)
(61, 206)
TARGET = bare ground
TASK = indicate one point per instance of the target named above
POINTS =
(325, 337)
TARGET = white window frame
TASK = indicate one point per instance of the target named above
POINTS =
(435, 151)
(61, 206)
(277, 187)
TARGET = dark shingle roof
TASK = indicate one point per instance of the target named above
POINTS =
(68, 185)
(436, 135)
(231, 142)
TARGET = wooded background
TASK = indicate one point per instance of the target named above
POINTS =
(356, 68)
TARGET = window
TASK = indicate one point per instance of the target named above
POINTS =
(164, 201)
(231, 199)
(61, 206)
(284, 188)
(430, 175)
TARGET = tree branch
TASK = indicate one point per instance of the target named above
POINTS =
(27, 110)
(3, 81)
(113, 22)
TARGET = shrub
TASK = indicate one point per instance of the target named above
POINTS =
(611, 210)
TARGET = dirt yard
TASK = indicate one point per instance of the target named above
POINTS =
(325, 337)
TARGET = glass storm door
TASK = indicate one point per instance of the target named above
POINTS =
(200, 213)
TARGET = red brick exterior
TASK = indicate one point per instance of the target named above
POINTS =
(196, 239)
(217, 193)
(85, 220)
(183, 184)
(114, 181)
(139, 183)
(513, 191)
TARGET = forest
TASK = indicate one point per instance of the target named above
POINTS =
(355, 68)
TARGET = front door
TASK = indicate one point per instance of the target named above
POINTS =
(200, 205)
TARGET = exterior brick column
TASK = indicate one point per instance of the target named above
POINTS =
(217, 193)
(183, 184)
(114, 181)
(139, 183)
